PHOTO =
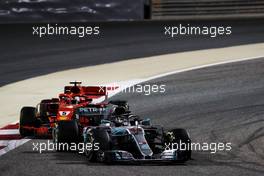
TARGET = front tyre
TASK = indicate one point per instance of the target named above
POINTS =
(100, 140)
(181, 137)
(64, 133)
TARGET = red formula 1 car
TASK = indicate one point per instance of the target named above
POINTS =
(60, 113)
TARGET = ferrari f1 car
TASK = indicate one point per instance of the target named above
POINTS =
(59, 117)
(129, 139)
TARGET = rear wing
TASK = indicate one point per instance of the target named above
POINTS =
(89, 90)
(92, 92)
(95, 90)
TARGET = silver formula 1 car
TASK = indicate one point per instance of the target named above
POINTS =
(129, 139)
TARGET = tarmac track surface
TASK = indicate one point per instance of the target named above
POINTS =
(25, 56)
(223, 103)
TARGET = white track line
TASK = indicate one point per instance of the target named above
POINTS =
(9, 132)
(12, 144)
(202, 66)
(15, 143)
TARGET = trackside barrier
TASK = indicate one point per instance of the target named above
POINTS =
(70, 10)
(176, 9)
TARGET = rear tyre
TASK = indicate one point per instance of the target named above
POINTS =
(100, 141)
(64, 133)
(27, 119)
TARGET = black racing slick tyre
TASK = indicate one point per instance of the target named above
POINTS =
(64, 133)
(27, 119)
(100, 141)
(181, 136)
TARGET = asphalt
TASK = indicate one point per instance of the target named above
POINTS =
(216, 104)
(25, 56)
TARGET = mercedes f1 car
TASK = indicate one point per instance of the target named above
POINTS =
(129, 139)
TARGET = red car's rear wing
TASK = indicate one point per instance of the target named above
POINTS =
(93, 92)
(89, 90)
